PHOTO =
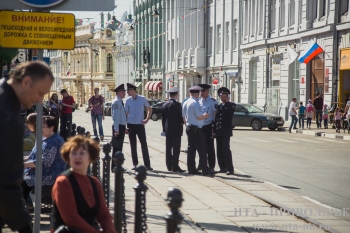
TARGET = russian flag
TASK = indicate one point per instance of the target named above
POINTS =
(312, 50)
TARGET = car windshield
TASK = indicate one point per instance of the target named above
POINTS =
(252, 108)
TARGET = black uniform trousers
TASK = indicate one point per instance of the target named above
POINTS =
(172, 152)
(64, 118)
(209, 141)
(121, 137)
(224, 153)
(196, 141)
(140, 131)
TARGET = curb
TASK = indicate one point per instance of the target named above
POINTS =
(322, 134)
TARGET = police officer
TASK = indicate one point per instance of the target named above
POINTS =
(194, 118)
(208, 105)
(134, 107)
(223, 131)
(118, 117)
(172, 123)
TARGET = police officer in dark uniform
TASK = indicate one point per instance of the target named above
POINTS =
(208, 105)
(194, 118)
(223, 131)
(172, 123)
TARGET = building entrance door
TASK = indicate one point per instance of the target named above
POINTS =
(317, 76)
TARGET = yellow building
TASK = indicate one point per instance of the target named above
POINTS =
(90, 64)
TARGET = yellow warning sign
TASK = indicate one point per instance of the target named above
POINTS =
(35, 30)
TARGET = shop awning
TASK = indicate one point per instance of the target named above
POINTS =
(147, 86)
(157, 86)
(150, 88)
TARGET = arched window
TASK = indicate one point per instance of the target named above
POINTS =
(109, 63)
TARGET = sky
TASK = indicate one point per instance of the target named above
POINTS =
(94, 16)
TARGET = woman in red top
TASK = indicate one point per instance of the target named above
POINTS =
(79, 152)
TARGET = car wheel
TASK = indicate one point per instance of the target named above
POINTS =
(272, 128)
(154, 117)
(256, 124)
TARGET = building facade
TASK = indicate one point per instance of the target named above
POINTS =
(125, 54)
(268, 26)
(91, 64)
(148, 34)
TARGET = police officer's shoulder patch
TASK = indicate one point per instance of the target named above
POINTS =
(116, 106)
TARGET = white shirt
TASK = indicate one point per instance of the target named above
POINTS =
(348, 103)
(291, 106)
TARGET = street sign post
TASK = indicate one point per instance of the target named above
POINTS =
(39, 30)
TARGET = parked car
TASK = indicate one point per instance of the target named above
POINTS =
(151, 103)
(157, 110)
(107, 108)
(249, 115)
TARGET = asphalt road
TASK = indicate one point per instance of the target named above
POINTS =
(313, 167)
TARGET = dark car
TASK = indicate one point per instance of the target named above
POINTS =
(107, 108)
(249, 115)
(151, 103)
(157, 110)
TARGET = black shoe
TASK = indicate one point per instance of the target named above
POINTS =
(222, 171)
(149, 168)
(295, 128)
(179, 170)
(230, 173)
(194, 173)
(134, 168)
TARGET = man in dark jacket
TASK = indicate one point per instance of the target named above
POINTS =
(172, 122)
(26, 86)
(223, 131)
(318, 103)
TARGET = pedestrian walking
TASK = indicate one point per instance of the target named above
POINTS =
(78, 199)
(301, 114)
(119, 119)
(134, 107)
(293, 114)
(172, 123)
(97, 112)
(310, 109)
(325, 116)
(208, 105)
(223, 131)
(337, 118)
(318, 103)
(66, 107)
(27, 86)
(54, 107)
(194, 119)
(347, 111)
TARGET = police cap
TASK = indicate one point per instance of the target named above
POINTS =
(195, 89)
(204, 86)
(131, 86)
(120, 88)
(223, 90)
(173, 90)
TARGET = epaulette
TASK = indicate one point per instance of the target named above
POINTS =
(213, 99)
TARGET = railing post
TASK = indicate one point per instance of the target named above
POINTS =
(173, 217)
(73, 132)
(140, 201)
(106, 172)
(68, 129)
(119, 192)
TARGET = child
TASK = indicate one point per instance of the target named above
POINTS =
(325, 116)
(337, 117)
(309, 113)
(301, 114)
